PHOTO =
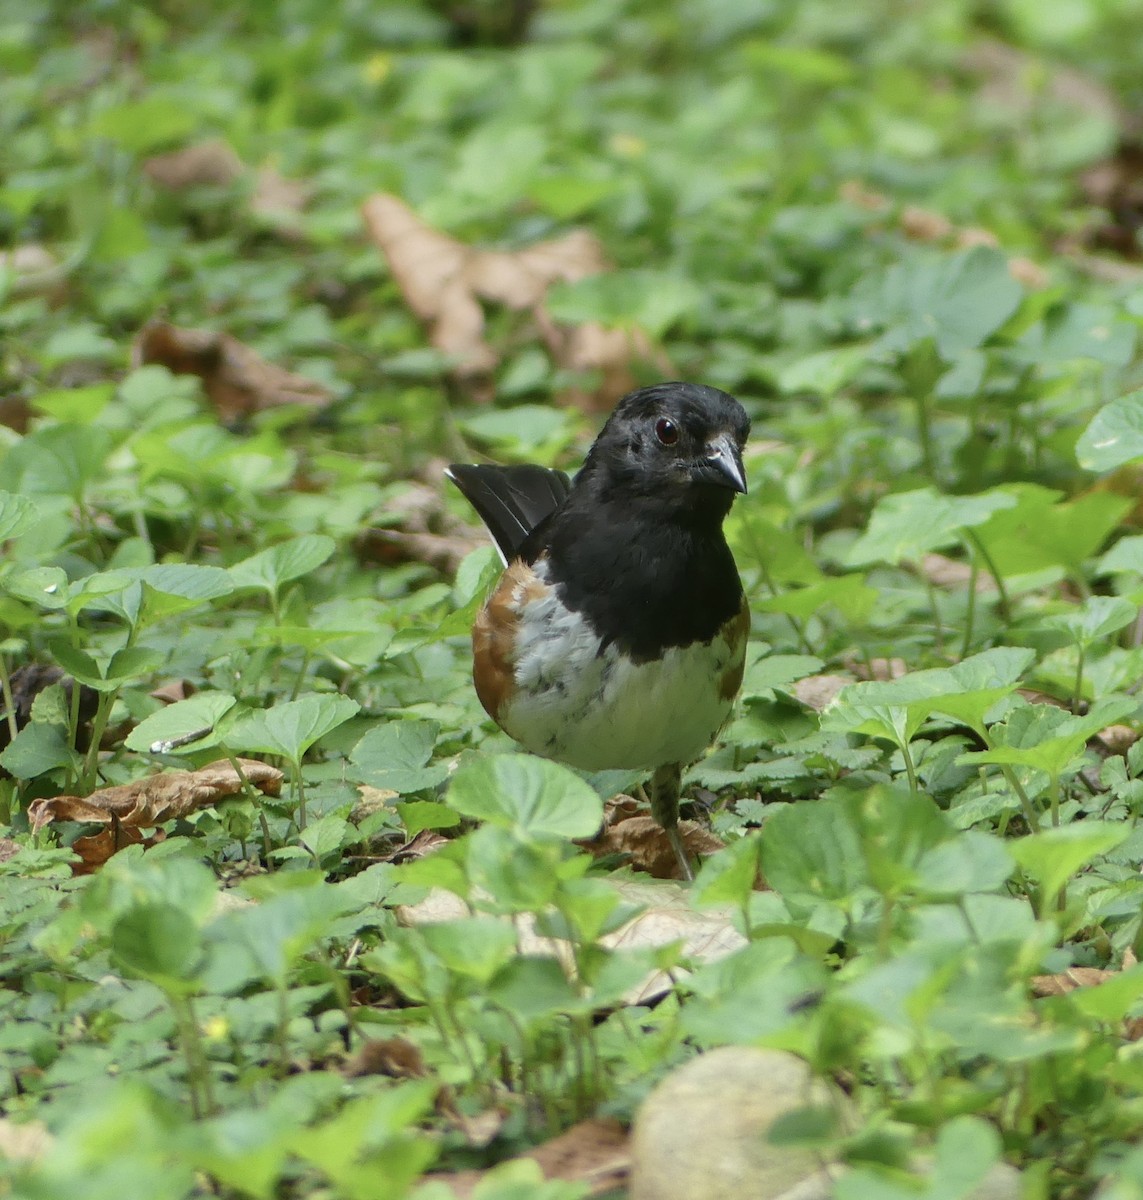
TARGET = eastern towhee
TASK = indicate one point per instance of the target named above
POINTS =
(616, 636)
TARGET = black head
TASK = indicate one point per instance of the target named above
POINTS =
(679, 442)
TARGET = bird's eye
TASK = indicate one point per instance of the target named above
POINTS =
(666, 431)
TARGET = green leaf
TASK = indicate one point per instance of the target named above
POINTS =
(269, 569)
(1114, 436)
(327, 835)
(290, 729)
(475, 947)
(908, 525)
(1053, 856)
(1039, 532)
(159, 942)
(417, 815)
(36, 750)
(17, 513)
(166, 731)
(813, 851)
(531, 795)
(394, 755)
(1097, 617)
(958, 300)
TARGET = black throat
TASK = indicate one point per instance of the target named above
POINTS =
(646, 574)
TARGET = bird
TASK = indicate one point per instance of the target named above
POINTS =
(616, 636)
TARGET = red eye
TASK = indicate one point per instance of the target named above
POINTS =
(666, 431)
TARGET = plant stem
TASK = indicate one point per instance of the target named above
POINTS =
(1077, 691)
(98, 726)
(6, 694)
(1004, 604)
(970, 612)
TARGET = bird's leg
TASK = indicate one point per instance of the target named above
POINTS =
(666, 784)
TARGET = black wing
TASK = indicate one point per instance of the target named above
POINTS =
(511, 501)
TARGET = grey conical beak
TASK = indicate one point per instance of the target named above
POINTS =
(722, 463)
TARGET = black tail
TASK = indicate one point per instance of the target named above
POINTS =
(511, 501)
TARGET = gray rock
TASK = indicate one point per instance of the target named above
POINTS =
(702, 1133)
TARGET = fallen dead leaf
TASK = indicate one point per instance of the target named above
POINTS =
(943, 571)
(372, 800)
(274, 199)
(395, 1056)
(444, 282)
(1117, 739)
(423, 843)
(237, 380)
(1068, 981)
(148, 802)
(817, 692)
(8, 849)
(666, 916)
(594, 1152)
(641, 839)
(881, 669)
(213, 163)
(173, 692)
(420, 528)
(26, 1141)
(926, 225)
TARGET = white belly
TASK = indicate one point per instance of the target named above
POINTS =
(598, 710)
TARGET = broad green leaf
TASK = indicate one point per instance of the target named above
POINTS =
(198, 715)
(396, 755)
(908, 525)
(824, 372)
(159, 942)
(291, 728)
(1114, 436)
(966, 692)
(326, 835)
(475, 947)
(1097, 617)
(651, 300)
(533, 989)
(36, 750)
(1125, 557)
(17, 513)
(172, 588)
(269, 569)
(753, 993)
(529, 794)
(848, 593)
(813, 851)
(146, 123)
(1114, 998)
(1040, 532)
(958, 300)
(417, 815)
(1053, 856)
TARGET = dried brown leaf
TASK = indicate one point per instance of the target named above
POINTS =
(423, 843)
(8, 849)
(237, 380)
(395, 1056)
(594, 1152)
(213, 163)
(943, 571)
(26, 1141)
(642, 839)
(817, 691)
(95, 849)
(173, 692)
(145, 803)
(444, 282)
(1117, 739)
(1068, 981)
(275, 196)
(924, 225)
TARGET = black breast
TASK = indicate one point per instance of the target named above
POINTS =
(645, 581)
